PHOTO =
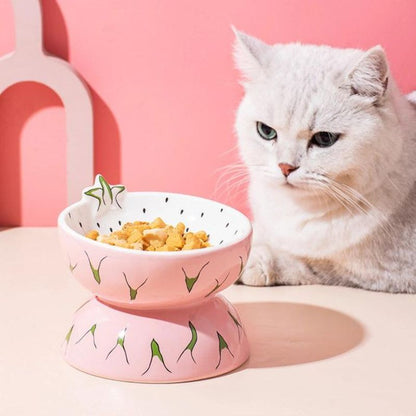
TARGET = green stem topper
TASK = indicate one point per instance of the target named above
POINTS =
(95, 271)
(190, 281)
(217, 286)
(120, 342)
(222, 344)
(105, 193)
(133, 292)
(192, 343)
(92, 331)
(154, 346)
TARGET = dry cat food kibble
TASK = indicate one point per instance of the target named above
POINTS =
(153, 236)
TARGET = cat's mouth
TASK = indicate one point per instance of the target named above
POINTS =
(296, 181)
(288, 184)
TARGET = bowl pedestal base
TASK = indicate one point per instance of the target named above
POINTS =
(177, 344)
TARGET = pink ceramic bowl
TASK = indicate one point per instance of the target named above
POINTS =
(155, 316)
(157, 346)
(147, 280)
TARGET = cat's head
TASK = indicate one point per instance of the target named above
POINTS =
(315, 114)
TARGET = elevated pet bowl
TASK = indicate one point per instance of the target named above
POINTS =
(155, 316)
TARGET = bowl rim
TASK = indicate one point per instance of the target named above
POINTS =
(187, 253)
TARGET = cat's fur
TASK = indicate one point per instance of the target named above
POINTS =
(360, 230)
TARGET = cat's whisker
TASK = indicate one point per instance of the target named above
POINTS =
(349, 190)
(228, 179)
(229, 172)
(233, 192)
(234, 176)
(394, 185)
(330, 192)
(228, 151)
(225, 170)
(237, 165)
(230, 185)
(348, 194)
(319, 195)
(347, 199)
(326, 199)
(354, 193)
(383, 220)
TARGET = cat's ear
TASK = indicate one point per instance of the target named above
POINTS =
(249, 54)
(369, 77)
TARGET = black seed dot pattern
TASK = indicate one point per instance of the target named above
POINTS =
(181, 212)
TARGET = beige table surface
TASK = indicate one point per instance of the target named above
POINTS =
(314, 350)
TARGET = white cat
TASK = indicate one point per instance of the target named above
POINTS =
(330, 146)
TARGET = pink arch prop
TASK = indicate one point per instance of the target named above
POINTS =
(30, 62)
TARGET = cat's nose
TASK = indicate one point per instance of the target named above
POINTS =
(287, 169)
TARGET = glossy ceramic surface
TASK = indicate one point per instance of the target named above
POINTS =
(152, 279)
(183, 344)
(155, 316)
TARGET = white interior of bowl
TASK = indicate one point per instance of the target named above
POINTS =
(223, 224)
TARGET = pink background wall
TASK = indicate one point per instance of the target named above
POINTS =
(164, 88)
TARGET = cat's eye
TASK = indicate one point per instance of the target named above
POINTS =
(266, 132)
(324, 138)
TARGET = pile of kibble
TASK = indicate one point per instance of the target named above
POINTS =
(153, 236)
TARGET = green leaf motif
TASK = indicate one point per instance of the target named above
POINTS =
(191, 344)
(154, 347)
(72, 267)
(189, 280)
(95, 270)
(237, 324)
(105, 193)
(133, 291)
(120, 343)
(217, 286)
(87, 301)
(68, 335)
(92, 331)
(222, 344)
